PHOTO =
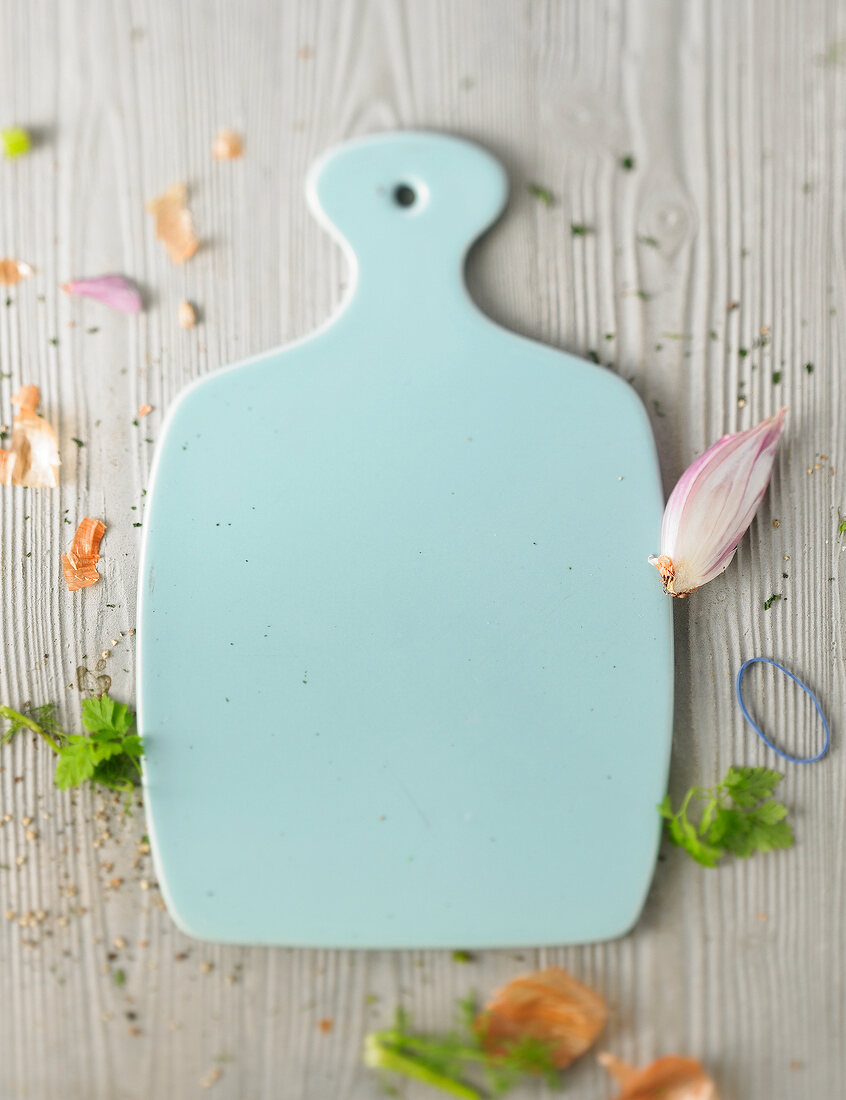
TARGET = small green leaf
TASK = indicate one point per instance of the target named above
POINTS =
(746, 786)
(76, 762)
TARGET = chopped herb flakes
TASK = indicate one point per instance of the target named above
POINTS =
(78, 442)
(809, 367)
(628, 163)
(579, 230)
(650, 242)
(772, 599)
(542, 193)
(15, 141)
(776, 377)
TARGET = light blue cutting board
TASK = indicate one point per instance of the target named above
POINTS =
(405, 673)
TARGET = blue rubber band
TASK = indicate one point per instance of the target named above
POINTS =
(757, 728)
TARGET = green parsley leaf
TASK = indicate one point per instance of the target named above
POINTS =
(739, 817)
(106, 717)
(746, 786)
(108, 754)
(768, 603)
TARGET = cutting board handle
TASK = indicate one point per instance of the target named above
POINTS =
(406, 207)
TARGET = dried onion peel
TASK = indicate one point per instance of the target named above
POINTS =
(173, 223)
(550, 1006)
(32, 459)
(670, 1078)
(227, 145)
(13, 271)
(80, 563)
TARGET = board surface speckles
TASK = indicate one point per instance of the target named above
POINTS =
(409, 553)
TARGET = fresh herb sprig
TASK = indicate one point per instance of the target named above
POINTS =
(109, 754)
(739, 818)
(447, 1062)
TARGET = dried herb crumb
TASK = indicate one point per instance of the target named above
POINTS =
(463, 957)
(119, 977)
(78, 442)
(8, 302)
(650, 242)
(714, 335)
(742, 352)
(137, 525)
(91, 331)
(580, 230)
(543, 193)
(809, 367)
(656, 405)
(769, 603)
(54, 341)
(776, 377)
(628, 163)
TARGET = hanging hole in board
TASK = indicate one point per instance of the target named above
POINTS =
(404, 195)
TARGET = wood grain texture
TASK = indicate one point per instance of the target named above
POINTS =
(735, 114)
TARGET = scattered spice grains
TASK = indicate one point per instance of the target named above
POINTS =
(325, 1025)
(187, 315)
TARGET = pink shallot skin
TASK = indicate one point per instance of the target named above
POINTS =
(713, 504)
(111, 290)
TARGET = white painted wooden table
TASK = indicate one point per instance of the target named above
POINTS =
(735, 115)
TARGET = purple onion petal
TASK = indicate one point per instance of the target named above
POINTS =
(111, 290)
(713, 504)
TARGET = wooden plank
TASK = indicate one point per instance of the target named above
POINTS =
(734, 115)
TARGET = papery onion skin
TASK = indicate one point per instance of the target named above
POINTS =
(550, 1006)
(112, 290)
